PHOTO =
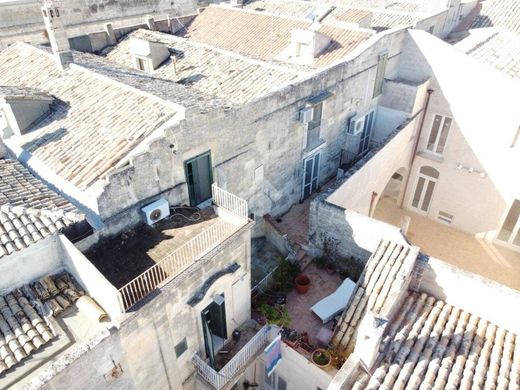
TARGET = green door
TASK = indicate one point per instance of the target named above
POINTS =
(199, 178)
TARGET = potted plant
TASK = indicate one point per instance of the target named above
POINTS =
(321, 357)
(302, 283)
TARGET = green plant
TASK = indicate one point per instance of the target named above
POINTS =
(275, 315)
(285, 273)
(320, 357)
(350, 267)
(330, 247)
(337, 358)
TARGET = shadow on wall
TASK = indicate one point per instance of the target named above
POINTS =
(329, 222)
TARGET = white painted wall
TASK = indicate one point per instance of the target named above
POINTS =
(482, 297)
(21, 267)
(93, 281)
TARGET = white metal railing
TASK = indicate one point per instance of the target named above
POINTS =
(184, 256)
(229, 202)
(218, 379)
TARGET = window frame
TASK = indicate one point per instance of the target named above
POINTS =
(380, 73)
(313, 124)
(439, 133)
(427, 178)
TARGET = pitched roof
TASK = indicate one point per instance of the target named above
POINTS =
(23, 312)
(14, 92)
(29, 210)
(264, 36)
(379, 284)
(496, 47)
(431, 344)
(352, 15)
(499, 13)
(95, 123)
(207, 69)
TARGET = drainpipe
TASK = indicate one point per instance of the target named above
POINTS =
(416, 145)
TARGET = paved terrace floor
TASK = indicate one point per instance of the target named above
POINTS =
(299, 305)
(455, 247)
(123, 257)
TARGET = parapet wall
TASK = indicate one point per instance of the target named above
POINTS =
(22, 20)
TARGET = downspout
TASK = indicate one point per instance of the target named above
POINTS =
(416, 145)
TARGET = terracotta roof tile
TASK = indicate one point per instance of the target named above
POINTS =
(208, 70)
(93, 124)
(432, 345)
(264, 36)
(29, 210)
(496, 47)
(499, 13)
(353, 15)
(382, 278)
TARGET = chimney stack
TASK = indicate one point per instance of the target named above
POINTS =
(52, 17)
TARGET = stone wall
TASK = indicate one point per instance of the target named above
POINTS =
(357, 234)
(22, 19)
(144, 345)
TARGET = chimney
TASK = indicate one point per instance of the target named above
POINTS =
(307, 44)
(370, 334)
(52, 17)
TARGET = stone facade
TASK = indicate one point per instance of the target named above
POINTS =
(142, 350)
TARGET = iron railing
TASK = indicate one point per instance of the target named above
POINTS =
(184, 256)
(219, 379)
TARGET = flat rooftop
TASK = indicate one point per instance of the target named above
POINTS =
(123, 257)
(454, 246)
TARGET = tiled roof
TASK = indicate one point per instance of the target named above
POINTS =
(208, 70)
(353, 15)
(382, 19)
(23, 328)
(29, 210)
(499, 13)
(432, 345)
(495, 47)
(264, 36)
(382, 278)
(95, 123)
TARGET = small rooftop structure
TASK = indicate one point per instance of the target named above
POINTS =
(265, 37)
(207, 69)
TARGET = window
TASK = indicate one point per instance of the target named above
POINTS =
(366, 135)
(141, 64)
(422, 197)
(181, 347)
(380, 74)
(313, 127)
(510, 231)
(274, 382)
(439, 134)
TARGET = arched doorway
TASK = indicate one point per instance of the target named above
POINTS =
(394, 187)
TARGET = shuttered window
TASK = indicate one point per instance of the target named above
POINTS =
(380, 74)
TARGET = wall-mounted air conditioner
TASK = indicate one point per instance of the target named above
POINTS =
(355, 125)
(305, 114)
(156, 211)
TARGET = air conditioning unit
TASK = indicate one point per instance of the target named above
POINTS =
(156, 211)
(306, 114)
(355, 125)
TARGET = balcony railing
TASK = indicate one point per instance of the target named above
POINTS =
(184, 256)
(219, 379)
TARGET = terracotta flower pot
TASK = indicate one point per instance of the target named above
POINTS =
(321, 358)
(302, 283)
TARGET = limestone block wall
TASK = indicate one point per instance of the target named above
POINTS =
(144, 344)
(357, 234)
(22, 19)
